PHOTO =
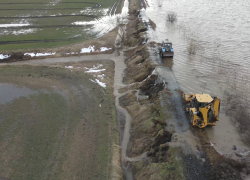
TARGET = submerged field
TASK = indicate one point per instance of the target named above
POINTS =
(56, 122)
(34, 24)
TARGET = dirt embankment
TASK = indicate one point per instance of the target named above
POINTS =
(148, 128)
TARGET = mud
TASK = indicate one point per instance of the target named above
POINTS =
(138, 65)
(222, 167)
(159, 147)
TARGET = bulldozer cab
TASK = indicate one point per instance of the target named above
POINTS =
(201, 100)
(203, 109)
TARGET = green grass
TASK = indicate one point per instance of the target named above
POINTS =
(56, 133)
(60, 31)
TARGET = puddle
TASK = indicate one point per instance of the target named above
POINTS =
(221, 61)
(8, 92)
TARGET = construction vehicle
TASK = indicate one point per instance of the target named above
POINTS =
(166, 49)
(203, 109)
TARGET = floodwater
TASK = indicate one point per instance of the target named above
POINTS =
(219, 30)
(8, 92)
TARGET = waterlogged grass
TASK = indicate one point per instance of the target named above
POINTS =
(48, 22)
(60, 131)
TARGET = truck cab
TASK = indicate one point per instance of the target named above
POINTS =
(166, 49)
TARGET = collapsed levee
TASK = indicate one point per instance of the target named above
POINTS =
(148, 152)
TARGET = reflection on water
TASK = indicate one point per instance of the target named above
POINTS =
(220, 30)
(9, 92)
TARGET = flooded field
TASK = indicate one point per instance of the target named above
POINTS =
(218, 32)
(43, 24)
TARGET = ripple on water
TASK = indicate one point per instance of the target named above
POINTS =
(221, 30)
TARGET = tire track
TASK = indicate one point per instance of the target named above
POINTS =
(39, 17)
(38, 9)
(52, 3)
(46, 26)
(42, 41)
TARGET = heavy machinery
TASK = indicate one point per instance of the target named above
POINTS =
(203, 109)
(166, 49)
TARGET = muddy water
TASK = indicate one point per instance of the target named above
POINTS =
(8, 92)
(220, 31)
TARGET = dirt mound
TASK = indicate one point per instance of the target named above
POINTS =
(148, 121)
(151, 88)
(128, 100)
(16, 56)
(138, 65)
(159, 147)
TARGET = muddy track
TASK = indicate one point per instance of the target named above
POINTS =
(46, 26)
(113, 9)
(53, 3)
(37, 9)
(38, 41)
(44, 40)
(40, 17)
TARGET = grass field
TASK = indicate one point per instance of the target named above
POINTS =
(64, 129)
(50, 23)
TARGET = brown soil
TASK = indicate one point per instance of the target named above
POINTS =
(154, 44)
(138, 65)
(153, 25)
(147, 118)
(168, 62)
(150, 88)
(222, 167)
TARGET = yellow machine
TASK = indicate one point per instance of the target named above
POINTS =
(202, 108)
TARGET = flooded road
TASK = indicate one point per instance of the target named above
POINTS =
(220, 33)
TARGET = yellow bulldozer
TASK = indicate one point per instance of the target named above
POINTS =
(203, 109)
